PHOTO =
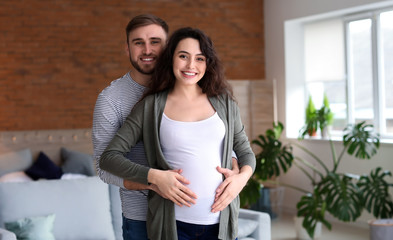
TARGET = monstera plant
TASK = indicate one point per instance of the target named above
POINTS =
(273, 159)
(343, 195)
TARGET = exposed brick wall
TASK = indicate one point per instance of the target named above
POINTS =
(57, 55)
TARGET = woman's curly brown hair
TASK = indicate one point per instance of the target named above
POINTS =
(213, 83)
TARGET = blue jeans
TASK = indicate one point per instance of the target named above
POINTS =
(134, 229)
(188, 231)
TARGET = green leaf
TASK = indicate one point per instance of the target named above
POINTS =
(326, 101)
(325, 117)
(342, 196)
(273, 158)
(277, 129)
(312, 207)
(361, 140)
(375, 193)
(250, 193)
(310, 109)
(311, 124)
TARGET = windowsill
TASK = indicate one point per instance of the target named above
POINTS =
(386, 141)
(316, 138)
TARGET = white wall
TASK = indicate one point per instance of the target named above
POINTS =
(276, 13)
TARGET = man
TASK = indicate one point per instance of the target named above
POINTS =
(146, 38)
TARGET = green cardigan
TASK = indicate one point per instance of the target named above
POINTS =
(143, 124)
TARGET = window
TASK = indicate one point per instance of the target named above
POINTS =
(325, 66)
(370, 46)
(350, 59)
(386, 63)
(360, 71)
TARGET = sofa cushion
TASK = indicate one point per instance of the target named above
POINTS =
(44, 168)
(34, 228)
(77, 162)
(117, 215)
(246, 227)
(15, 161)
(81, 206)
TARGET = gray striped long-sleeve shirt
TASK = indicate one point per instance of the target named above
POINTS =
(113, 105)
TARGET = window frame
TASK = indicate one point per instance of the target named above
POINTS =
(379, 120)
(295, 74)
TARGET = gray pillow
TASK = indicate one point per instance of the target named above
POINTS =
(15, 161)
(77, 162)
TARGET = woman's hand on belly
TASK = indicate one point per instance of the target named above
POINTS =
(230, 188)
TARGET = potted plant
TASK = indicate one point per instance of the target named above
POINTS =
(317, 118)
(343, 195)
(325, 116)
(312, 123)
(375, 184)
(273, 158)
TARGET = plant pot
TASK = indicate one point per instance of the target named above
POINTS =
(381, 229)
(301, 232)
(270, 201)
(326, 131)
(312, 132)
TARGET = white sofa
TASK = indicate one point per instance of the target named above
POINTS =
(86, 208)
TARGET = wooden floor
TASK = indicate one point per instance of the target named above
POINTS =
(283, 229)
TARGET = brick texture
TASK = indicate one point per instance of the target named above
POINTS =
(57, 55)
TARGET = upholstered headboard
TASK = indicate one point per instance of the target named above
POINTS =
(48, 141)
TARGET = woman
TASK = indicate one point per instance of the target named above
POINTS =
(187, 120)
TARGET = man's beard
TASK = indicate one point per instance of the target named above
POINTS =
(139, 69)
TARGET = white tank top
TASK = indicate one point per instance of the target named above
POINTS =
(195, 147)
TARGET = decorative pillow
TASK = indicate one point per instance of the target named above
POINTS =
(15, 177)
(15, 161)
(246, 227)
(77, 162)
(43, 167)
(33, 228)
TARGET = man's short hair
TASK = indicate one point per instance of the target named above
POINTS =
(144, 20)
